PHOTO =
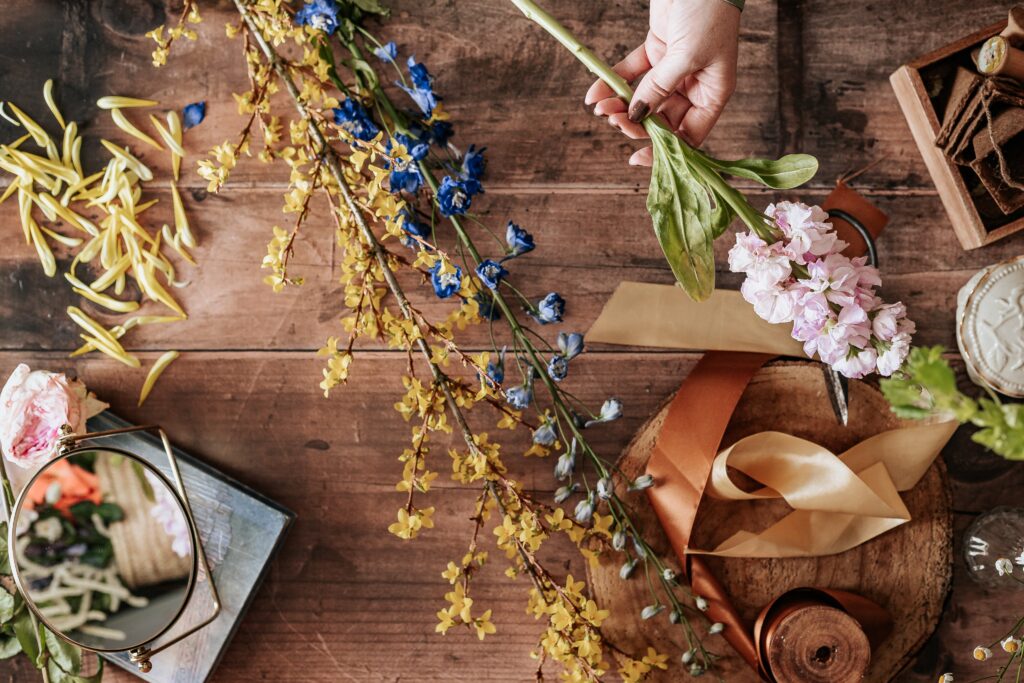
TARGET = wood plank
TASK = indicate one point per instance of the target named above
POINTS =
(516, 69)
(348, 595)
(587, 244)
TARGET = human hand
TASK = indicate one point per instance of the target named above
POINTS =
(688, 64)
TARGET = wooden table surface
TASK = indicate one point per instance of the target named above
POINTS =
(345, 600)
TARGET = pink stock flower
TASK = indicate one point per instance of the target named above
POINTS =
(33, 407)
(829, 298)
(857, 364)
(890, 359)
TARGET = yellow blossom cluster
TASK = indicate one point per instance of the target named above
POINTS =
(189, 15)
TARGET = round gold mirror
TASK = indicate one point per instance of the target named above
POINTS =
(102, 549)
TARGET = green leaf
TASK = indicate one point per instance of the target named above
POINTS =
(26, 635)
(363, 68)
(786, 173)
(371, 6)
(9, 647)
(58, 675)
(681, 210)
(64, 654)
(8, 606)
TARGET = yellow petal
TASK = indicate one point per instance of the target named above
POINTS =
(118, 102)
(48, 96)
(122, 122)
(154, 373)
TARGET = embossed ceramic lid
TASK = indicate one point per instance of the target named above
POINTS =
(990, 330)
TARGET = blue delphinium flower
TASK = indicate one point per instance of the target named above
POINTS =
(491, 273)
(452, 197)
(405, 177)
(193, 114)
(496, 369)
(440, 132)
(571, 344)
(473, 163)
(520, 397)
(610, 410)
(550, 309)
(488, 308)
(558, 367)
(445, 284)
(545, 434)
(413, 227)
(519, 241)
(387, 52)
(319, 14)
(353, 117)
(422, 90)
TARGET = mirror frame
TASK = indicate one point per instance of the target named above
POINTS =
(12, 536)
(67, 445)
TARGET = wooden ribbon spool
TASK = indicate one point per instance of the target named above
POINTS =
(790, 396)
(813, 643)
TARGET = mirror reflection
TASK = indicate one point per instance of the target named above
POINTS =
(103, 549)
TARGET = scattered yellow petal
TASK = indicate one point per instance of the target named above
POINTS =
(154, 373)
(122, 122)
(48, 96)
(118, 102)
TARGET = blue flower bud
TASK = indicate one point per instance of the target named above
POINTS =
(491, 273)
(571, 345)
(519, 397)
(611, 410)
(473, 163)
(387, 52)
(422, 91)
(644, 481)
(550, 309)
(193, 114)
(626, 570)
(563, 493)
(519, 241)
(651, 611)
(564, 466)
(558, 367)
(584, 510)
(545, 434)
(496, 369)
(605, 488)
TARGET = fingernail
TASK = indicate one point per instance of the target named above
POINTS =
(638, 111)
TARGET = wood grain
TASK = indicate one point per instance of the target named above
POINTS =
(345, 600)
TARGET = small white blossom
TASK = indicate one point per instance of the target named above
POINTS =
(716, 628)
(982, 653)
(1004, 566)
(946, 678)
(701, 603)
(1010, 644)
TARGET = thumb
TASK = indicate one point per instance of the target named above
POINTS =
(660, 82)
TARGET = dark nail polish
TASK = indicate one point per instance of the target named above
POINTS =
(638, 111)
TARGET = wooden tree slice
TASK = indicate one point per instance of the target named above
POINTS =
(907, 570)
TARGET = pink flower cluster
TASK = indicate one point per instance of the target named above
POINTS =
(829, 298)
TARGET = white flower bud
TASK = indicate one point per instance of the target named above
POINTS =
(605, 489)
(651, 611)
(716, 628)
(645, 481)
(687, 657)
(701, 603)
(619, 540)
(627, 569)
(668, 575)
(1004, 566)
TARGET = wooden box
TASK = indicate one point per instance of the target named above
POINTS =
(921, 92)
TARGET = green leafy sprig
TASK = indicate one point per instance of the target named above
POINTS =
(690, 203)
(926, 387)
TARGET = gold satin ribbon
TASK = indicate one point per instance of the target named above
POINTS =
(838, 501)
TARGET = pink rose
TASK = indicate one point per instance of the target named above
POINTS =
(33, 407)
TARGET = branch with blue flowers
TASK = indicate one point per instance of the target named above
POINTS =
(401, 196)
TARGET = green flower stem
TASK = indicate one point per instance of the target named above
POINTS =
(696, 159)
